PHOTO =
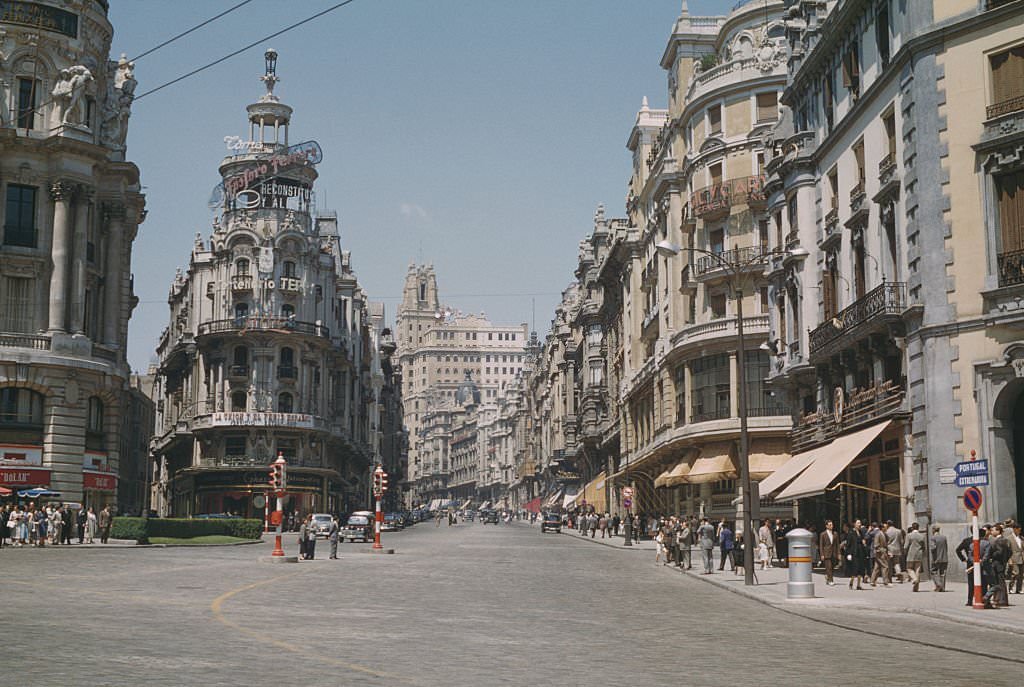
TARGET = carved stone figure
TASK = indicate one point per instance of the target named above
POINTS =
(121, 85)
(67, 94)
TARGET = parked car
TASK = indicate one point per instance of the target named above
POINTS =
(489, 516)
(407, 519)
(392, 522)
(358, 526)
(321, 524)
(552, 522)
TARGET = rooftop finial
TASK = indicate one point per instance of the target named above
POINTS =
(270, 78)
(643, 105)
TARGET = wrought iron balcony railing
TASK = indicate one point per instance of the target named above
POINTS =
(263, 323)
(748, 256)
(861, 407)
(721, 196)
(888, 298)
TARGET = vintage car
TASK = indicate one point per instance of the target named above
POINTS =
(489, 516)
(392, 522)
(358, 526)
(321, 525)
(551, 522)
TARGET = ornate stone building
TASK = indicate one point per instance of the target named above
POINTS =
(269, 348)
(72, 209)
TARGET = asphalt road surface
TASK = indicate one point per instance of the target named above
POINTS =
(455, 606)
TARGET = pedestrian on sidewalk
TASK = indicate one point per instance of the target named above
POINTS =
(105, 521)
(882, 562)
(854, 553)
(616, 521)
(726, 543)
(1015, 568)
(685, 538)
(764, 535)
(91, 525)
(965, 552)
(705, 535)
(302, 538)
(939, 554)
(781, 542)
(896, 543)
(996, 558)
(602, 524)
(915, 554)
(332, 536)
(762, 554)
(636, 528)
(828, 547)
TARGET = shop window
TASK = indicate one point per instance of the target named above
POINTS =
(20, 217)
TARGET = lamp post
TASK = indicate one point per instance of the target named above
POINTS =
(737, 269)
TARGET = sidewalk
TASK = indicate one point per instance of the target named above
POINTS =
(770, 589)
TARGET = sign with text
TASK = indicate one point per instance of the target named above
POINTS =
(297, 420)
(972, 473)
(99, 481)
(24, 477)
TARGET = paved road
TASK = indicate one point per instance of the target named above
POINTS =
(467, 605)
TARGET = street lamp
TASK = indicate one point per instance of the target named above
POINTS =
(736, 269)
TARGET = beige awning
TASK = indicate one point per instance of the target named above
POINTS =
(829, 461)
(787, 472)
(660, 480)
(767, 456)
(715, 463)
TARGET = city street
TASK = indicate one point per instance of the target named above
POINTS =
(471, 604)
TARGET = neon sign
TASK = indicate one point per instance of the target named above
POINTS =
(240, 184)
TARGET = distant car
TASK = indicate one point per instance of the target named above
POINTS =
(392, 522)
(358, 526)
(551, 522)
(407, 519)
(321, 524)
(489, 516)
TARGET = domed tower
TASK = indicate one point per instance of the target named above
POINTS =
(264, 353)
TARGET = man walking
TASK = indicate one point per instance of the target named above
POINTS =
(882, 562)
(105, 521)
(894, 537)
(915, 554)
(332, 536)
(828, 549)
(939, 555)
(684, 539)
(706, 536)
(83, 518)
(726, 542)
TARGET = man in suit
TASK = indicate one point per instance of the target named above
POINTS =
(828, 549)
(105, 521)
(896, 540)
(706, 536)
(726, 543)
(939, 553)
(83, 517)
(332, 536)
(68, 518)
(684, 537)
(1015, 568)
(965, 552)
(915, 554)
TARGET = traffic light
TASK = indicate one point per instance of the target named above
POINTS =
(275, 477)
(383, 481)
(380, 480)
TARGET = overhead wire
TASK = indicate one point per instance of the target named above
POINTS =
(244, 48)
(194, 28)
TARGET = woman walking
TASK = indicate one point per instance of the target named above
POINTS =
(854, 554)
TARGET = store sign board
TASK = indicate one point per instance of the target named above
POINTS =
(241, 185)
(296, 420)
(39, 17)
(24, 477)
(99, 481)
(20, 455)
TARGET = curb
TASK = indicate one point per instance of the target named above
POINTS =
(786, 606)
(618, 547)
(128, 545)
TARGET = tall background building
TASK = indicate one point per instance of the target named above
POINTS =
(71, 212)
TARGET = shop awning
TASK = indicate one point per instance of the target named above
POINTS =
(571, 495)
(434, 503)
(715, 463)
(766, 456)
(594, 493)
(788, 472)
(831, 461)
(554, 500)
(4, 491)
(485, 505)
(532, 506)
(660, 480)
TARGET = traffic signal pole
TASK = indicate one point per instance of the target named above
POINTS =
(378, 523)
(278, 482)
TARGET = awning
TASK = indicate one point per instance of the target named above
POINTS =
(681, 471)
(532, 506)
(554, 500)
(5, 492)
(788, 472)
(831, 461)
(571, 495)
(766, 456)
(594, 493)
(485, 505)
(716, 463)
(660, 480)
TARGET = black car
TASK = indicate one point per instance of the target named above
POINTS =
(489, 516)
(552, 522)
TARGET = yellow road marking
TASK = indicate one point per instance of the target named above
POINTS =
(217, 606)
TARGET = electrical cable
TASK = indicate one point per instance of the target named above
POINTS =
(194, 28)
(243, 49)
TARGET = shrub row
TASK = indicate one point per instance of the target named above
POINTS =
(141, 529)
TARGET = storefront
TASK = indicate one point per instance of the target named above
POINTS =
(244, 492)
(21, 467)
(99, 481)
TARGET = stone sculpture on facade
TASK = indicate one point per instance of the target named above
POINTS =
(117, 105)
(67, 94)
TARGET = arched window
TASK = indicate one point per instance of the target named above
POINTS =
(284, 403)
(288, 269)
(21, 407)
(238, 402)
(287, 311)
(94, 424)
(242, 267)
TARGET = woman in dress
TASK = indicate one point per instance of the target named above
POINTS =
(854, 554)
(302, 537)
(91, 523)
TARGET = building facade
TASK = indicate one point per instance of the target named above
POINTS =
(73, 204)
(270, 349)
(898, 168)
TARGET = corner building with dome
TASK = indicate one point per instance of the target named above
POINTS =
(269, 349)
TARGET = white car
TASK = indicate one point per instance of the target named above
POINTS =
(321, 524)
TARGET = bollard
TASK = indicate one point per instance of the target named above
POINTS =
(801, 584)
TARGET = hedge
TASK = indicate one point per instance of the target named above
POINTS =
(141, 529)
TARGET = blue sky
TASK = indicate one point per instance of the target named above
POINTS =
(475, 134)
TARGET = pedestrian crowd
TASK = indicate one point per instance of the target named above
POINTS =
(55, 524)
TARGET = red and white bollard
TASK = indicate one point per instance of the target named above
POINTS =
(377, 524)
(278, 482)
(279, 517)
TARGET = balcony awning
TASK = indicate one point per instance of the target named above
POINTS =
(715, 463)
(660, 480)
(677, 474)
(831, 461)
(767, 456)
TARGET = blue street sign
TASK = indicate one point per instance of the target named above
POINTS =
(972, 473)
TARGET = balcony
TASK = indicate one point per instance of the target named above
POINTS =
(888, 180)
(862, 407)
(718, 329)
(748, 257)
(858, 205)
(650, 321)
(241, 282)
(257, 323)
(1005, 107)
(210, 420)
(715, 200)
(1011, 267)
(831, 233)
(883, 304)
(33, 341)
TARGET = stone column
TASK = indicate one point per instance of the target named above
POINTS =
(114, 213)
(61, 192)
(83, 201)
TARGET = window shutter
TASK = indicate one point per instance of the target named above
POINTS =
(1011, 212)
